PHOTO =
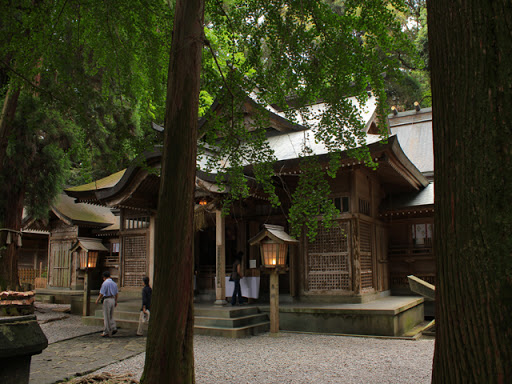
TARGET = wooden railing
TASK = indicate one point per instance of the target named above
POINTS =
(407, 260)
(205, 276)
(410, 252)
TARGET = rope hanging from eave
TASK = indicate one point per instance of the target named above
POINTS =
(199, 220)
(10, 234)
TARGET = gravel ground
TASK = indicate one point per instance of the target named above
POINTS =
(59, 326)
(303, 358)
(290, 358)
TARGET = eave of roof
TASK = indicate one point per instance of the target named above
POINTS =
(89, 244)
(414, 129)
(130, 180)
(274, 232)
(276, 121)
(420, 200)
(103, 183)
(72, 213)
(388, 153)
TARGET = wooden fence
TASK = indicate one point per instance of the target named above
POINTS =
(31, 276)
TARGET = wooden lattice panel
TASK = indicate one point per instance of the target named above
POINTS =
(134, 256)
(329, 281)
(328, 260)
(366, 259)
(366, 271)
(333, 240)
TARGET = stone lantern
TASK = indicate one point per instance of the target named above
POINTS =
(88, 250)
(20, 336)
(273, 241)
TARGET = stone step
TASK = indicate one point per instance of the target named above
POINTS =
(98, 321)
(237, 332)
(120, 314)
(225, 312)
(49, 299)
(233, 322)
(136, 305)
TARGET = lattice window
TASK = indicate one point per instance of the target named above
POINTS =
(365, 231)
(332, 240)
(364, 207)
(140, 222)
(114, 247)
(342, 204)
(366, 259)
(328, 260)
(422, 234)
(134, 256)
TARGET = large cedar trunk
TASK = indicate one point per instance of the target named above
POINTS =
(169, 351)
(471, 63)
(6, 119)
(13, 211)
(13, 208)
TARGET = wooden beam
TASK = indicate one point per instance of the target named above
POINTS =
(274, 301)
(220, 288)
(87, 295)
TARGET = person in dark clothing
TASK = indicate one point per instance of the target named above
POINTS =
(146, 305)
(236, 275)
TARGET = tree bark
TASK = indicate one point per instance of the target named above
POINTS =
(9, 278)
(169, 351)
(6, 119)
(471, 61)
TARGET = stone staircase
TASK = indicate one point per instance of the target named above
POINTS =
(225, 321)
(126, 315)
(229, 321)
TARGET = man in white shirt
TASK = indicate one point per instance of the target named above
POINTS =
(108, 292)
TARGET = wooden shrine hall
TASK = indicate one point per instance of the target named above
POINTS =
(345, 281)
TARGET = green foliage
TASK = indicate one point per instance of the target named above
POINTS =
(310, 201)
(412, 81)
(292, 54)
(37, 161)
(101, 65)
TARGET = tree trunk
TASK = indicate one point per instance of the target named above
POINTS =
(471, 61)
(13, 210)
(6, 119)
(169, 351)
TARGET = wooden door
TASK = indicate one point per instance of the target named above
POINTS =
(60, 264)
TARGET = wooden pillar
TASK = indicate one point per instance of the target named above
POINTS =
(241, 245)
(356, 257)
(274, 301)
(220, 288)
(87, 295)
(151, 253)
(293, 270)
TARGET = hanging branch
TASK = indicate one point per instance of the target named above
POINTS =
(208, 44)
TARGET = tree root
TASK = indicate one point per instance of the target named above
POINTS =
(105, 378)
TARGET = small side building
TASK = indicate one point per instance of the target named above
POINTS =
(68, 223)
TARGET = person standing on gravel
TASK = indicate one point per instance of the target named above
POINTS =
(108, 292)
(146, 304)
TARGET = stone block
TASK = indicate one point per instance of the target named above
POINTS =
(20, 338)
(421, 287)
